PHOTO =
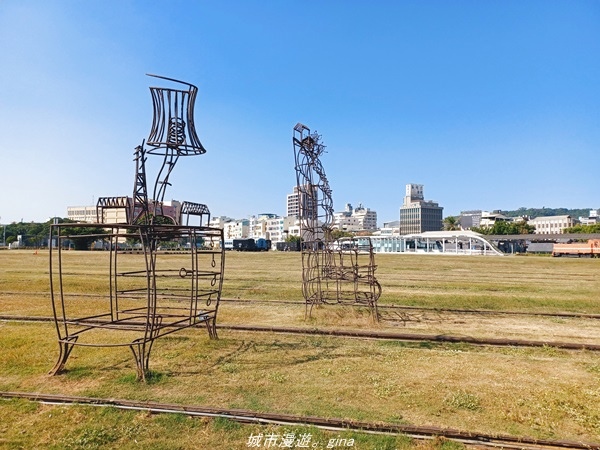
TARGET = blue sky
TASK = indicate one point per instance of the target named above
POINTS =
(489, 104)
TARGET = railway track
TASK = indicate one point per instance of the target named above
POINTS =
(384, 308)
(436, 310)
(332, 424)
(364, 334)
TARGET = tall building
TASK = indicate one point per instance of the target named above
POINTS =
(300, 204)
(418, 215)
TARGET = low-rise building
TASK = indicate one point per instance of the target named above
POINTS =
(489, 219)
(236, 229)
(592, 219)
(355, 219)
(389, 229)
(470, 219)
(367, 218)
(271, 227)
(82, 214)
(552, 224)
(119, 210)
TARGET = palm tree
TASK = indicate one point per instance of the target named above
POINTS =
(451, 223)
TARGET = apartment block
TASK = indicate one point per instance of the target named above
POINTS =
(355, 219)
(301, 203)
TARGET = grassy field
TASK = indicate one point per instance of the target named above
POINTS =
(540, 392)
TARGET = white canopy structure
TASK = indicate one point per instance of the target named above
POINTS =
(436, 242)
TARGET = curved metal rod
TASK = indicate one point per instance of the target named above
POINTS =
(172, 79)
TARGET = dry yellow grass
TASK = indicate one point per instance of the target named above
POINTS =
(540, 392)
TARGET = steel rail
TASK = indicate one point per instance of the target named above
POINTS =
(377, 335)
(499, 342)
(384, 307)
(333, 424)
(437, 310)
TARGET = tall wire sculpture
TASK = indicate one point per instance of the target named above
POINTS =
(333, 271)
(163, 275)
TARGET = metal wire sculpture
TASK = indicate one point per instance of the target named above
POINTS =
(332, 271)
(163, 276)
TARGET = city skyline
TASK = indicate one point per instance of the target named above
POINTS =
(336, 210)
(354, 206)
(488, 104)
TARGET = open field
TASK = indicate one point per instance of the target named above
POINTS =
(541, 392)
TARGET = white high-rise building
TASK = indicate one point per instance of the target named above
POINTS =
(299, 204)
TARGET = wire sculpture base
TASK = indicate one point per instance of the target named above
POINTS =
(340, 273)
(155, 280)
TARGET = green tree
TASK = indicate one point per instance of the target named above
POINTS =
(451, 223)
(501, 227)
(33, 234)
(543, 212)
(338, 234)
(81, 237)
(587, 229)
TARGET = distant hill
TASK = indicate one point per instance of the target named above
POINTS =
(541, 212)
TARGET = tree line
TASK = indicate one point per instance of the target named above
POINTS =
(37, 234)
(544, 212)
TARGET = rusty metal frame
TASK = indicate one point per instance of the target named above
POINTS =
(104, 203)
(153, 295)
(194, 209)
(161, 277)
(342, 271)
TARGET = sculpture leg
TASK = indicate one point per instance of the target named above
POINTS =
(65, 345)
(141, 353)
(374, 300)
(211, 326)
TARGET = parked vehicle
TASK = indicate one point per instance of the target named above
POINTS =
(590, 248)
(251, 245)
(263, 245)
(293, 246)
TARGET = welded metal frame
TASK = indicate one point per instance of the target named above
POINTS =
(162, 276)
(343, 271)
(104, 203)
(149, 293)
(189, 209)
